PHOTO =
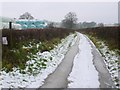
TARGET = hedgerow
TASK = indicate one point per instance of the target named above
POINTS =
(14, 55)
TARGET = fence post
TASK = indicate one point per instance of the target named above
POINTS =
(10, 27)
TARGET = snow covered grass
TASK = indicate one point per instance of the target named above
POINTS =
(111, 59)
(37, 68)
(18, 56)
(84, 74)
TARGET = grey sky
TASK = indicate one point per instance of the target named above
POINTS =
(106, 12)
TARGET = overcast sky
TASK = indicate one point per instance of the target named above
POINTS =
(105, 12)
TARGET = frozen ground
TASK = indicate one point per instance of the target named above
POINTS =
(84, 74)
(15, 79)
(89, 70)
(58, 79)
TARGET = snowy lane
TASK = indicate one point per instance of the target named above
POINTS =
(84, 74)
(58, 79)
(76, 63)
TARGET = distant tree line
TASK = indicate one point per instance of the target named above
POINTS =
(70, 21)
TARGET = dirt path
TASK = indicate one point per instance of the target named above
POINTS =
(58, 79)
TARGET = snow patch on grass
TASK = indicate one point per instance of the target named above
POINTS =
(111, 59)
(38, 68)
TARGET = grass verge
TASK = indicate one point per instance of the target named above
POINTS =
(111, 58)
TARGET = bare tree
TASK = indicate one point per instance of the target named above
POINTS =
(50, 25)
(100, 25)
(26, 15)
(70, 20)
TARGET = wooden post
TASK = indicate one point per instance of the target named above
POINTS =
(119, 13)
(10, 27)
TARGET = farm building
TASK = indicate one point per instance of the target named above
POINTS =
(21, 23)
(27, 24)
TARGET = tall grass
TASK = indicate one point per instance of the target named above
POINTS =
(13, 55)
